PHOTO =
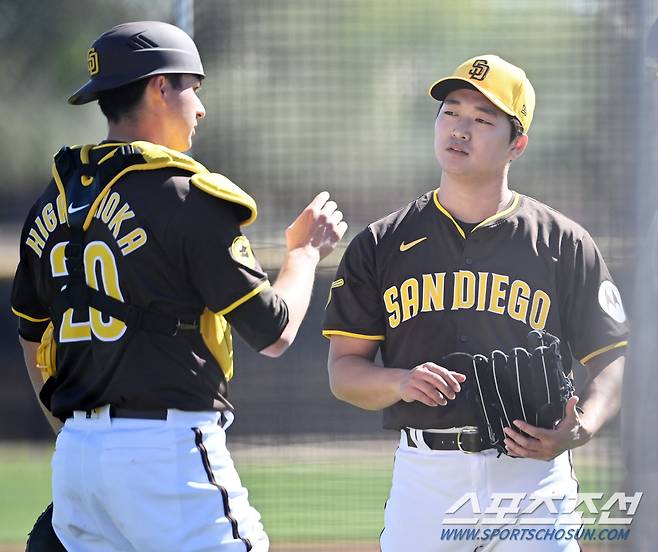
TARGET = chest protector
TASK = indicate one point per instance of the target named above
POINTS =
(84, 183)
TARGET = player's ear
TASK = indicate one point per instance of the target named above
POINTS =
(157, 87)
(518, 146)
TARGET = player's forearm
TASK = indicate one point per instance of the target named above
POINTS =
(601, 398)
(30, 357)
(294, 285)
(360, 382)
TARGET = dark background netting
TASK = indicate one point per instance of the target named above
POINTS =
(306, 95)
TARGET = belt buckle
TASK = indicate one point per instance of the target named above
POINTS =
(459, 440)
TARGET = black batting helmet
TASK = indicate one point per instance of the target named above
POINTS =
(133, 51)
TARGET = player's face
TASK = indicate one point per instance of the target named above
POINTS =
(472, 136)
(183, 110)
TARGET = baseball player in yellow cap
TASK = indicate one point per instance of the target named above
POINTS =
(472, 267)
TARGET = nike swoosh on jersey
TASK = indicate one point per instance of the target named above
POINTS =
(406, 246)
(76, 209)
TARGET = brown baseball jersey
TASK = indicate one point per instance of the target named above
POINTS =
(162, 244)
(423, 285)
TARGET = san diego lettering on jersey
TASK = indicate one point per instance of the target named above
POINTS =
(479, 291)
(111, 211)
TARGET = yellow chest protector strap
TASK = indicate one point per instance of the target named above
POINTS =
(91, 184)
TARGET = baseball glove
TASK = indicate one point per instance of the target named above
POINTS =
(525, 384)
(42, 538)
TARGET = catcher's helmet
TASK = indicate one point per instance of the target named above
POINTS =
(132, 51)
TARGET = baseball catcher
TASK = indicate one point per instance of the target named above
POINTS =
(133, 273)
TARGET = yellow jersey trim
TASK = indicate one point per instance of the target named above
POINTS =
(28, 317)
(60, 188)
(244, 298)
(328, 333)
(513, 205)
(446, 213)
(84, 153)
(501, 214)
(602, 350)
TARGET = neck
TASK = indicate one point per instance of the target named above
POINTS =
(474, 201)
(130, 129)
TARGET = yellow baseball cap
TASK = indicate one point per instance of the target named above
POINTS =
(504, 84)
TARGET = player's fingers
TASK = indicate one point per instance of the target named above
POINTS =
(318, 201)
(416, 392)
(514, 450)
(341, 228)
(436, 381)
(336, 217)
(461, 378)
(324, 215)
(570, 409)
(445, 375)
(528, 443)
(428, 389)
(452, 380)
(333, 232)
(534, 431)
(329, 208)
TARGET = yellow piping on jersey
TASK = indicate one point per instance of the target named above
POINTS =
(26, 317)
(602, 350)
(328, 333)
(446, 213)
(501, 214)
(84, 153)
(244, 298)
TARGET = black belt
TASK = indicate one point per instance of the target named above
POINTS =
(467, 440)
(116, 412)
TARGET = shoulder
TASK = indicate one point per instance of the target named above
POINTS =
(378, 239)
(383, 229)
(547, 219)
(191, 196)
(44, 207)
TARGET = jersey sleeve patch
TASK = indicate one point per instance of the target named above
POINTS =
(242, 253)
(335, 284)
(610, 301)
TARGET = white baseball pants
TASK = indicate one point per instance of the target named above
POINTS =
(150, 485)
(427, 483)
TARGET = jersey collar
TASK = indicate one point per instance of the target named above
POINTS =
(516, 198)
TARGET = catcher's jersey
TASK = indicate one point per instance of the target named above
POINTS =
(423, 286)
(162, 244)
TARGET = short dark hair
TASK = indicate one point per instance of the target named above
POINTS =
(122, 101)
(517, 128)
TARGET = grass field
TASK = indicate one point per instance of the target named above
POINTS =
(311, 496)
